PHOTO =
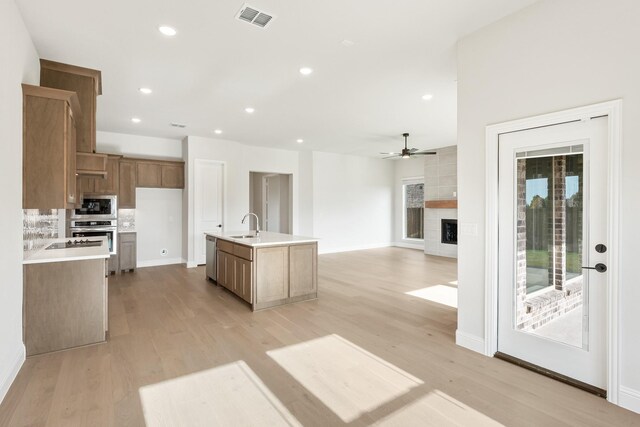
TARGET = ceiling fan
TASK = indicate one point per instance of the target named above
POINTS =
(409, 152)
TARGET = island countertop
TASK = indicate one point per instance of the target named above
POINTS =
(265, 238)
(44, 255)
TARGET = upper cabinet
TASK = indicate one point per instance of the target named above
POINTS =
(87, 83)
(50, 117)
(127, 184)
(159, 174)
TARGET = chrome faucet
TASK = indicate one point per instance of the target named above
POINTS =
(257, 221)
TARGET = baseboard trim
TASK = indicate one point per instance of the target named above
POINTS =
(354, 248)
(13, 372)
(629, 399)
(408, 246)
(470, 342)
(191, 264)
(160, 261)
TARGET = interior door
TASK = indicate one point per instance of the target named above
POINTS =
(208, 204)
(272, 203)
(553, 213)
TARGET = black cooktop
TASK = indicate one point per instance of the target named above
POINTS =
(75, 244)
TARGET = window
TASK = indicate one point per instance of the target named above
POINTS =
(413, 209)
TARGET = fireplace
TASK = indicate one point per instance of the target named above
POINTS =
(449, 231)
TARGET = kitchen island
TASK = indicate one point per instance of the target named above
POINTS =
(266, 270)
(65, 296)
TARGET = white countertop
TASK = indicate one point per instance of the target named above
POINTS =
(265, 238)
(43, 255)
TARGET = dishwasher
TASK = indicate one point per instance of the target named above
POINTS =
(211, 258)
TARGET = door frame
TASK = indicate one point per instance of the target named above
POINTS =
(612, 109)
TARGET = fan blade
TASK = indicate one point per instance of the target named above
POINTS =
(413, 150)
(425, 153)
(392, 157)
(391, 153)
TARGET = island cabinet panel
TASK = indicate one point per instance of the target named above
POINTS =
(149, 175)
(226, 270)
(303, 270)
(272, 274)
(49, 148)
(243, 279)
(64, 305)
(127, 184)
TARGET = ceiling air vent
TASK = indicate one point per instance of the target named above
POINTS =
(253, 16)
(178, 125)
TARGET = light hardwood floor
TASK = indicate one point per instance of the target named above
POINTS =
(364, 353)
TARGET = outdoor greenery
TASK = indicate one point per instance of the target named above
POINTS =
(540, 259)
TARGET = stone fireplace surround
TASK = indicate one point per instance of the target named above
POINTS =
(440, 189)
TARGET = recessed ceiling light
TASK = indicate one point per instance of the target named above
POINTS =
(427, 96)
(305, 71)
(250, 110)
(167, 31)
(145, 90)
(136, 120)
(299, 141)
(217, 131)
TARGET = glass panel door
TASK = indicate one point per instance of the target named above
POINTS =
(549, 220)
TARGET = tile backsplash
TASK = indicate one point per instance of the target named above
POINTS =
(126, 220)
(38, 225)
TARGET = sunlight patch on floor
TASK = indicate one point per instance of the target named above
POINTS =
(229, 395)
(441, 294)
(436, 409)
(346, 378)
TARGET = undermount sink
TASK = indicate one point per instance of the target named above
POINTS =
(246, 236)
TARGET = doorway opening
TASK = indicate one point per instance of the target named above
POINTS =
(270, 197)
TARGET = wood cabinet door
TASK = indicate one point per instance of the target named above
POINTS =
(84, 83)
(242, 279)
(84, 185)
(272, 274)
(127, 251)
(172, 176)
(127, 185)
(148, 174)
(109, 185)
(225, 270)
(303, 270)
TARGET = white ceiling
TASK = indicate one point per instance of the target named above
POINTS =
(358, 100)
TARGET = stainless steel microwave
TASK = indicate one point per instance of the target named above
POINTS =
(97, 206)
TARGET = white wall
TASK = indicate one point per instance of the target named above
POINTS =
(239, 160)
(138, 146)
(404, 168)
(551, 56)
(19, 65)
(352, 202)
(158, 211)
(159, 226)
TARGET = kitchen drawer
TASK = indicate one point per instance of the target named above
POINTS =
(225, 246)
(244, 252)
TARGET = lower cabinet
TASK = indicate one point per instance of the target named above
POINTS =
(235, 274)
(112, 264)
(127, 251)
(268, 276)
(64, 305)
(272, 274)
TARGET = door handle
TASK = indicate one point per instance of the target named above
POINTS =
(600, 268)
